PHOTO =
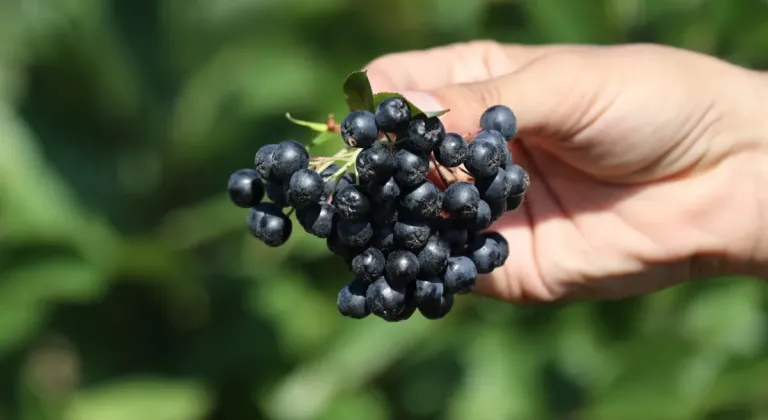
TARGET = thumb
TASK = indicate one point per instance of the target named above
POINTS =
(550, 96)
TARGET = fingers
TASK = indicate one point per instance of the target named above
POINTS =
(455, 63)
(553, 95)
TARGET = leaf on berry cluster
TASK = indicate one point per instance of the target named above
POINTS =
(321, 127)
(358, 90)
(416, 112)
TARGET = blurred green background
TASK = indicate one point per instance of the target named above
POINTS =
(131, 289)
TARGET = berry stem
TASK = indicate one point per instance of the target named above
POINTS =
(290, 211)
(440, 170)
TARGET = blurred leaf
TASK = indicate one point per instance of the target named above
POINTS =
(364, 349)
(321, 127)
(142, 398)
(499, 371)
(415, 111)
(358, 404)
(358, 91)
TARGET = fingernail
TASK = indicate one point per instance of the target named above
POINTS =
(424, 101)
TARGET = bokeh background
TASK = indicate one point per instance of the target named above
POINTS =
(131, 289)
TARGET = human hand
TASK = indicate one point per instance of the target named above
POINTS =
(647, 163)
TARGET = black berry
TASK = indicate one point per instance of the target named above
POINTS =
(501, 119)
(410, 168)
(433, 257)
(287, 158)
(376, 163)
(245, 188)
(384, 192)
(483, 159)
(518, 179)
(461, 200)
(494, 187)
(483, 218)
(402, 267)
(452, 151)
(437, 310)
(392, 114)
(351, 301)
(368, 265)
(514, 201)
(383, 239)
(305, 187)
(317, 219)
(503, 245)
(411, 234)
(460, 273)
(351, 202)
(263, 161)
(428, 292)
(386, 301)
(276, 192)
(484, 252)
(424, 201)
(424, 134)
(267, 222)
(355, 233)
(359, 129)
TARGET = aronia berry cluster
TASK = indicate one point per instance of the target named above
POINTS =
(407, 210)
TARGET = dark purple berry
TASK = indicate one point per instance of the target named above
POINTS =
(412, 234)
(317, 219)
(287, 158)
(392, 114)
(263, 161)
(461, 199)
(452, 151)
(355, 233)
(368, 265)
(424, 135)
(428, 292)
(267, 222)
(433, 257)
(305, 187)
(460, 273)
(376, 163)
(439, 310)
(401, 267)
(423, 202)
(245, 188)
(386, 301)
(483, 159)
(501, 119)
(410, 168)
(351, 301)
(359, 129)
(518, 179)
(495, 187)
(485, 253)
(384, 192)
(351, 202)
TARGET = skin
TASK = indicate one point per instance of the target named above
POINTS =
(648, 163)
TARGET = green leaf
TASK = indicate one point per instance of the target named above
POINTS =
(321, 127)
(358, 90)
(415, 111)
(142, 397)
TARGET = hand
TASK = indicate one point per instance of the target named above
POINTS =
(648, 164)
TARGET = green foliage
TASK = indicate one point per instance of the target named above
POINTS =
(131, 289)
